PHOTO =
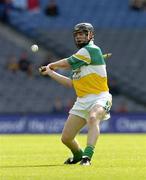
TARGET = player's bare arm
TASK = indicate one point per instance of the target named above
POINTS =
(46, 70)
(61, 64)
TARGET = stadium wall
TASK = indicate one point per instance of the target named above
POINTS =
(49, 124)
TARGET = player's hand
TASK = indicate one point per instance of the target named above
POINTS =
(45, 70)
(106, 56)
(109, 55)
(42, 69)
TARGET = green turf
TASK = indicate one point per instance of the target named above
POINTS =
(41, 157)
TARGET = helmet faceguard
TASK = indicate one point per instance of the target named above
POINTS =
(86, 29)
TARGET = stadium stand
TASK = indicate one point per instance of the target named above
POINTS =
(103, 14)
(118, 30)
(19, 92)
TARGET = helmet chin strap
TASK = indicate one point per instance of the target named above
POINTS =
(80, 45)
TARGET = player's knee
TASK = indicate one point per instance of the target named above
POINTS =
(92, 120)
(65, 139)
(96, 115)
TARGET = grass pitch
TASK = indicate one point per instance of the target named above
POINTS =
(41, 157)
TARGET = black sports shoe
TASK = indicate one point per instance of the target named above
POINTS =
(85, 161)
(71, 160)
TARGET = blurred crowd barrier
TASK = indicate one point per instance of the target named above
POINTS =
(49, 124)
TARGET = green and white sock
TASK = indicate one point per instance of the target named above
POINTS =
(89, 151)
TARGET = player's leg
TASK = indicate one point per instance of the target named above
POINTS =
(96, 115)
(71, 128)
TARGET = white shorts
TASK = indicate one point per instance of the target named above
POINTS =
(83, 105)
